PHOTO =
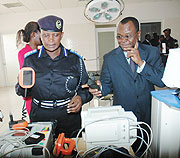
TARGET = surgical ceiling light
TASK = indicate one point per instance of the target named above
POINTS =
(103, 11)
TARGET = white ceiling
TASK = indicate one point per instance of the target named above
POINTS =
(35, 5)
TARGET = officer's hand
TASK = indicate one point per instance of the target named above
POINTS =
(94, 92)
(74, 105)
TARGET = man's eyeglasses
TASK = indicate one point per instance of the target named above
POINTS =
(128, 37)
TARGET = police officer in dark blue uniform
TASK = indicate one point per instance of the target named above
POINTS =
(59, 74)
(170, 41)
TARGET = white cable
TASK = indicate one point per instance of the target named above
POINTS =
(16, 142)
(114, 148)
(78, 153)
(77, 142)
(151, 135)
(141, 140)
(103, 149)
(144, 131)
(15, 131)
(94, 148)
(27, 146)
(11, 140)
(140, 128)
(151, 132)
(148, 146)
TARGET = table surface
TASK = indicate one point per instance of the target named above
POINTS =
(167, 97)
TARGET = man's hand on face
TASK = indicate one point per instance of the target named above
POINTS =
(133, 53)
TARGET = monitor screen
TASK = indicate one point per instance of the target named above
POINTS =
(171, 77)
(27, 77)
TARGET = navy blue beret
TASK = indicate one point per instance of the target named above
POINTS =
(168, 29)
(51, 23)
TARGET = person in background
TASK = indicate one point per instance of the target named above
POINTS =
(59, 74)
(161, 38)
(163, 54)
(130, 72)
(155, 40)
(147, 39)
(170, 41)
(31, 36)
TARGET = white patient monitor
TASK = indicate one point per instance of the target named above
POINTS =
(109, 126)
(171, 76)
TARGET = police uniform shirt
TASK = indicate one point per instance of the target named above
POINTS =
(52, 74)
(171, 42)
(57, 79)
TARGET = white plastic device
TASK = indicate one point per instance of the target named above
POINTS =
(109, 126)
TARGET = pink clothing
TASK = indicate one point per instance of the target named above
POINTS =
(21, 54)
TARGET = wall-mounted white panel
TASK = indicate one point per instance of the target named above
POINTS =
(11, 58)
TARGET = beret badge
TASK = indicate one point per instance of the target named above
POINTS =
(58, 24)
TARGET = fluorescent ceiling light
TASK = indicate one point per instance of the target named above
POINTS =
(103, 10)
(13, 5)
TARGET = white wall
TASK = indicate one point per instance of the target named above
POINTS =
(2, 78)
(80, 33)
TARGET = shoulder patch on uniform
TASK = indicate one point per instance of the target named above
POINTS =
(74, 52)
(30, 53)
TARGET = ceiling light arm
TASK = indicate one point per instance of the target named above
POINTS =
(123, 5)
